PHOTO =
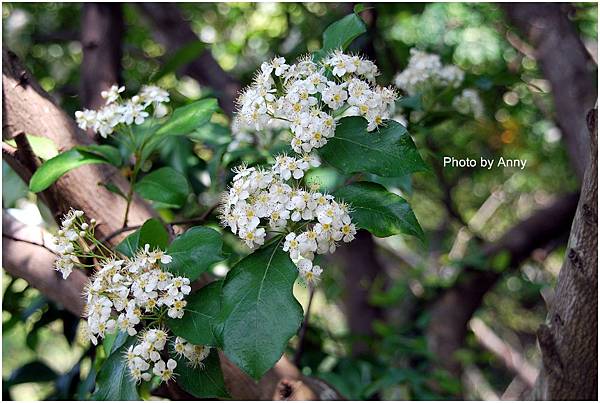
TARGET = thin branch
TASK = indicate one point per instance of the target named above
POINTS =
(303, 329)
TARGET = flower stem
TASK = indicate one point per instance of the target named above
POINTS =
(132, 179)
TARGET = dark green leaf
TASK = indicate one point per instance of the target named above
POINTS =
(166, 186)
(258, 309)
(341, 33)
(389, 151)
(111, 154)
(188, 118)
(202, 309)
(54, 168)
(378, 211)
(152, 233)
(195, 251)
(205, 382)
(113, 381)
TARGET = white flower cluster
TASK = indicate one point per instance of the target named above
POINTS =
(310, 96)
(66, 243)
(134, 289)
(121, 111)
(259, 199)
(426, 72)
(469, 102)
(144, 359)
(193, 353)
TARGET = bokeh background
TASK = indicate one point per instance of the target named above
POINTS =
(375, 316)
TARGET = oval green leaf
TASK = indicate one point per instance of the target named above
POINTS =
(202, 310)
(380, 212)
(188, 118)
(194, 252)
(340, 34)
(54, 168)
(258, 309)
(389, 151)
(166, 186)
(111, 154)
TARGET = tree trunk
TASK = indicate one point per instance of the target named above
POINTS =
(101, 42)
(567, 65)
(360, 269)
(452, 311)
(569, 338)
(174, 31)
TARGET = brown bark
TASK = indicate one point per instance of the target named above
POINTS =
(569, 338)
(101, 38)
(28, 109)
(452, 311)
(360, 267)
(174, 31)
(22, 256)
(566, 64)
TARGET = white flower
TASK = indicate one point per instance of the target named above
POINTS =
(112, 94)
(425, 72)
(335, 95)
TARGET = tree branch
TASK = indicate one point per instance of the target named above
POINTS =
(569, 338)
(568, 66)
(28, 259)
(101, 38)
(451, 312)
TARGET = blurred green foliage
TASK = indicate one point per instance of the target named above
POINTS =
(518, 124)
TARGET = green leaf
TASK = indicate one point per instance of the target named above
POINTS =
(203, 308)
(111, 154)
(113, 381)
(194, 252)
(188, 118)
(389, 151)
(378, 211)
(184, 55)
(205, 382)
(166, 186)
(54, 168)
(340, 34)
(152, 233)
(258, 309)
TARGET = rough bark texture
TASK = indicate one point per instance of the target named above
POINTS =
(101, 38)
(28, 109)
(566, 64)
(569, 338)
(360, 268)
(174, 31)
(452, 311)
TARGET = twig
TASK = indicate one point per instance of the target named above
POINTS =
(197, 220)
(302, 335)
